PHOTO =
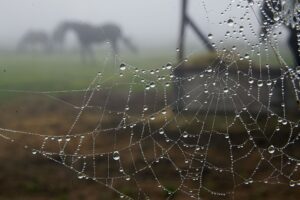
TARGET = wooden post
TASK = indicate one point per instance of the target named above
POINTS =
(182, 30)
(201, 35)
(186, 20)
(178, 72)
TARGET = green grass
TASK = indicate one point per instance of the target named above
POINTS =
(38, 72)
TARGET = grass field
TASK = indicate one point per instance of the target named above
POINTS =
(38, 72)
(66, 71)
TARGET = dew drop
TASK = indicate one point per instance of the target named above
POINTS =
(80, 176)
(225, 90)
(250, 80)
(292, 183)
(276, 17)
(152, 85)
(169, 66)
(185, 134)
(271, 149)
(161, 131)
(298, 70)
(122, 66)
(145, 108)
(116, 155)
(230, 22)
(260, 83)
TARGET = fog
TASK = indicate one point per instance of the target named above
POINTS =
(152, 23)
(146, 21)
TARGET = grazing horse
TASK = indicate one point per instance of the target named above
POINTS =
(274, 11)
(88, 35)
(33, 40)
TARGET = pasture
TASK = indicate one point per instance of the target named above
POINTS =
(39, 72)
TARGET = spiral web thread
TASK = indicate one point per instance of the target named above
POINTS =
(193, 135)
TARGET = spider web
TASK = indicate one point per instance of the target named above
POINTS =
(187, 130)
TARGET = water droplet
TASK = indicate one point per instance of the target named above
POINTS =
(250, 80)
(260, 83)
(251, 2)
(276, 17)
(225, 90)
(161, 131)
(292, 183)
(169, 66)
(298, 70)
(230, 22)
(152, 85)
(250, 180)
(185, 134)
(284, 122)
(122, 66)
(80, 176)
(145, 108)
(116, 155)
(152, 118)
(271, 149)
(210, 36)
(98, 87)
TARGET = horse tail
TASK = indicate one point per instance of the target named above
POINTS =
(129, 44)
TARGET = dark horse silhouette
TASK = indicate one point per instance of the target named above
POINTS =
(33, 40)
(88, 35)
(272, 12)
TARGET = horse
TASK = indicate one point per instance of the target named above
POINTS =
(33, 40)
(276, 11)
(88, 35)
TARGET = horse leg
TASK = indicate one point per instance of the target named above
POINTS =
(293, 44)
(129, 44)
(114, 46)
(83, 54)
(91, 54)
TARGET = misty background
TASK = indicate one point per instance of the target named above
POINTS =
(152, 23)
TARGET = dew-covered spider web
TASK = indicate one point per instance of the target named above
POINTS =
(202, 128)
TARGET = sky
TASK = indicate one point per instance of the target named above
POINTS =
(152, 22)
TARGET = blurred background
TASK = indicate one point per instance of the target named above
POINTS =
(46, 72)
